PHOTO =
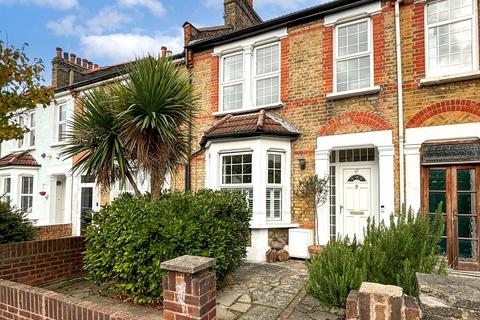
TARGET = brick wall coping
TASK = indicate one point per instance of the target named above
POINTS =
(188, 264)
(380, 289)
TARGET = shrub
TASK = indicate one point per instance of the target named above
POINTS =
(14, 226)
(388, 255)
(335, 272)
(131, 237)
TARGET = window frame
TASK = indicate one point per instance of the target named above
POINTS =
(32, 128)
(235, 185)
(4, 193)
(59, 122)
(475, 45)
(22, 195)
(249, 79)
(224, 84)
(347, 57)
(270, 217)
(256, 78)
(24, 121)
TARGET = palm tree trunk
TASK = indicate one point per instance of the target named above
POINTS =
(134, 184)
(157, 180)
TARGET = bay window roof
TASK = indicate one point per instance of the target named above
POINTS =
(24, 159)
(249, 125)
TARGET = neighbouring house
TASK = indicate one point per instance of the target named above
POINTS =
(379, 96)
(34, 176)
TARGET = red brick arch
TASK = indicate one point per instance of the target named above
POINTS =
(369, 119)
(468, 106)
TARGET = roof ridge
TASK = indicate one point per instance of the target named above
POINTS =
(222, 121)
(261, 120)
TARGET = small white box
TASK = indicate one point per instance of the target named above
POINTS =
(298, 242)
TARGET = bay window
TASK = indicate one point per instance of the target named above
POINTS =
(353, 58)
(274, 187)
(26, 194)
(250, 78)
(451, 31)
(237, 174)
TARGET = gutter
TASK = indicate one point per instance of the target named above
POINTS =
(283, 21)
(400, 102)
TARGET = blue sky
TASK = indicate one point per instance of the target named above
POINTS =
(112, 31)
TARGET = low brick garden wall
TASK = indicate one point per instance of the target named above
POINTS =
(53, 231)
(22, 302)
(42, 261)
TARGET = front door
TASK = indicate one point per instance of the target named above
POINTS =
(88, 201)
(359, 200)
(456, 189)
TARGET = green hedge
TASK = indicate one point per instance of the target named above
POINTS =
(389, 255)
(131, 237)
(14, 225)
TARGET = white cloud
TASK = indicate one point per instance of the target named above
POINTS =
(120, 47)
(66, 26)
(107, 20)
(56, 4)
(155, 6)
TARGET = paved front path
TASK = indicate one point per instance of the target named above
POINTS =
(254, 292)
(269, 291)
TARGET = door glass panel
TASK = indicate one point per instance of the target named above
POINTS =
(466, 180)
(467, 227)
(437, 180)
(434, 201)
(466, 203)
(467, 250)
(443, 246)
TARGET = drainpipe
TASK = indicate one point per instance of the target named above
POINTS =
(188, 166)
(400, 101)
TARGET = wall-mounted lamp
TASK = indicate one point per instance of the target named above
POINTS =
(302, 163)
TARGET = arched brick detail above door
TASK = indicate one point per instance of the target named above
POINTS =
(421, 117)
(367, 119)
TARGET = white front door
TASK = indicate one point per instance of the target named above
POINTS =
(358, 200)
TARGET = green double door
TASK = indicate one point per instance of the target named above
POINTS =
(457, 188)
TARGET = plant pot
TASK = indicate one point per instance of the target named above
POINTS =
(315, 250)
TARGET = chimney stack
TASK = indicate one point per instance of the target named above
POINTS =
(59, 52)
(164, 51)
(73, 56)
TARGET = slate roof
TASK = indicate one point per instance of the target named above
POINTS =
(24, 159)
(249, 125)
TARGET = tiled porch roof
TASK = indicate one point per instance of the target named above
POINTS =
(23, 158)
(249, 125)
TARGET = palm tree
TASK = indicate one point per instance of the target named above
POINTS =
(94, 139)
(142, 121)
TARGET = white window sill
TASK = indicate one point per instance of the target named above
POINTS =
(58, 144)
(23, 149)
(352, 93)
(275, 225)
(240, 111)
(451, 78)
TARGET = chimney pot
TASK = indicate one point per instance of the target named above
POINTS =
(58, 52)
(169, 53)
(90, 64)
(85, 63)
(250, 3)
(95, 66)
(65, 55)
(164, 51)
(72, 57)
(79, 61)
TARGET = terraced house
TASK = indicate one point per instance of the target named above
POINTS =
(379, 96)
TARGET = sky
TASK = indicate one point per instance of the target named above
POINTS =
(113, 31)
